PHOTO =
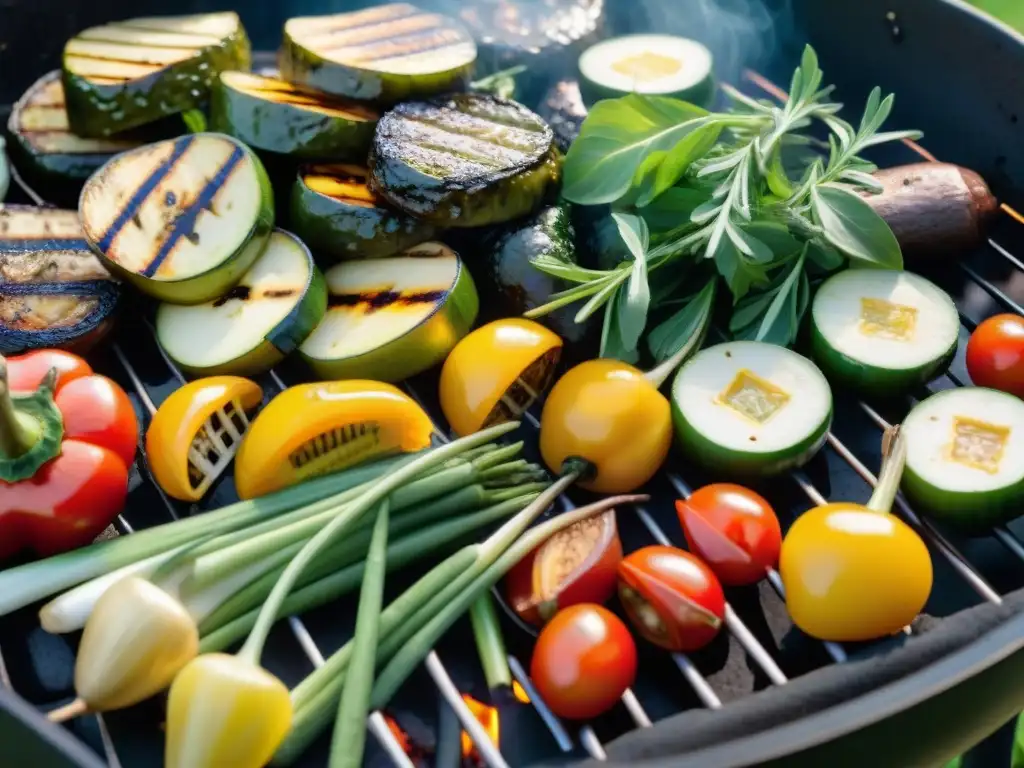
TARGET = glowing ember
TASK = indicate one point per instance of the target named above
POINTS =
(520, 692)
(488, 717)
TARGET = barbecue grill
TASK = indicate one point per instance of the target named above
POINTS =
(762, 693)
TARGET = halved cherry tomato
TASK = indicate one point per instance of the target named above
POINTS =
(672, 598)
(577, 565)
(733, 530)
(583, 662)
(995, 354)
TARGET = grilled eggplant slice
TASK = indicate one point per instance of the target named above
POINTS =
(388, 319)
(129, 73)
(274, 116)
(465, 160)
(251, 328)
(383, 54)
(53, 290)
(182, 220)
(336, 214)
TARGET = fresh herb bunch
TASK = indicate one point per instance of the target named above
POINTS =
(720, 188)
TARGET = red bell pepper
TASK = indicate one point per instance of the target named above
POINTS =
(67, 439)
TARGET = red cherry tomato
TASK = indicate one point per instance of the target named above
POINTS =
(98, 411)
(576, 565)
(584, 661)
(671, 597)
(995, 354)
(26, 372)
(733, 530)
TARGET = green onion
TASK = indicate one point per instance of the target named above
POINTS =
(350, 727)
(489, 643)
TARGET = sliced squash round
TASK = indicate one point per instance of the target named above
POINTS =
(251, 328)
(388, 319)
(334, 211)
(466, 160)
(383, 54)
(270, 114)
(182, 220)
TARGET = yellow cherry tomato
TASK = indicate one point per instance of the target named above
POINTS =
(196, 431)
(852, 573)
(497, 372)
(316, 429)
(609, 414)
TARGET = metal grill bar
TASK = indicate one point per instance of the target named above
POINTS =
(992, 290)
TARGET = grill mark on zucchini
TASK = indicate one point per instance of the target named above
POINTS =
(374, 31)
(184, 224)
(337, 440)
(369, 17)
(282, 92)
(457, 124)
(430, 40)
(142, 193)
(378, 300)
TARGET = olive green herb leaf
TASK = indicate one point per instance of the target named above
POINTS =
(778, 310)
(501, 84)
(674, 207)
(195, 120)
(668, 337)
(739, 273)
(678, 160)
(612, 346)
(823, 256)
(852, 226)
(634, 303)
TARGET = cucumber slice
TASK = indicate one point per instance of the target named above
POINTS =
(657, 65)
(388, 319)
(751, 409)
(182, 220)
(336, 213)
(274, 116)
(251, 328)
(129, 73)
(384, 54)
(466, 160)
(882, 332)
(53, 290)
(965, 457)
(52, 159)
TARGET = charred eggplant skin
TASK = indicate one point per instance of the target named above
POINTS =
(934, 209)
(466, 160)
(338, 230)
(100, 109)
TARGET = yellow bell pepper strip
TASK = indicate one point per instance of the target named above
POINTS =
(496, 372)
(196, 431)
(317, 429)
(137, 638)
(854, 572)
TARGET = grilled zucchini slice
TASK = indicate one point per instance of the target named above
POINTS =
(251, 328)
(272, 115)
(182, 220)
(334, 211)
(53, 290)
(388, 319)
(383, 54)
(129, 73)
(465, 160)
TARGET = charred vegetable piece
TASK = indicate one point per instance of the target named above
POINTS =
(934, 208)
(576, 565)
(338, 216)
(251, 328)
(965, 457)
(129, 73)
(496, 373)
(383, 54)
(466, 160)
(316, 429)
(662, 65)
(181, 220)
(388, 319)
(275, 116)
(750, 408)
(53, 290)
(52, 159)
(564, 111)
(882, 332)
(196, 431)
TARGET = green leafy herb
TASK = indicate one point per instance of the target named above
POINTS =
(667, 338)
(851, 225)
(501, 84)
(195, 120)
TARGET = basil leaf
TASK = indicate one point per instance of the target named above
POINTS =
(612, 346)
(634, 233)
(669, 336)
(825, 256)
(775, 236)
(679, 159)
(674, 207)
(852, 226)
(614, 140)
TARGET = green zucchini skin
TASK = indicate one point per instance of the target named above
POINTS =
(466, 160)
(100, 109)
(281, 123)
(216, 281)
(337, 229)
(380, 26)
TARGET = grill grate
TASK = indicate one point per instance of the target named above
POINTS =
(703, 690)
